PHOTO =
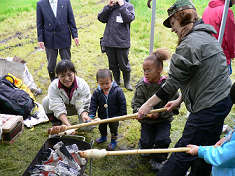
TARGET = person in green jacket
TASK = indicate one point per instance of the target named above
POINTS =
(199, 69)
(155, 131)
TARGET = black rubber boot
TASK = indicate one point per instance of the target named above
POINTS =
(116, 76)
(52, 76)
(126, 77)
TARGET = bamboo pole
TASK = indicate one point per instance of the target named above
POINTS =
(96, 153)
(57, 129)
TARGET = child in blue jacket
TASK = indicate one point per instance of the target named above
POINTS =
(222, 155)
(109, 100)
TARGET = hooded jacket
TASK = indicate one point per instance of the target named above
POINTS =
(144, 91)
(112, 105)
(221, 158)
(117, 30)
(199, 69)
(213, 16)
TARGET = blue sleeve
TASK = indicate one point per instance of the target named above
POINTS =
(221, 156)
(40, 23)
(93, 105)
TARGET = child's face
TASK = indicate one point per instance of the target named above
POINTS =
(66, 78)
(105, 84)
(151, 71)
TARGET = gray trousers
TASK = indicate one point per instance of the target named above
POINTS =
(118, 59)
(52, 57)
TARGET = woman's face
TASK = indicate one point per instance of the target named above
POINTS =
(66, 78)
(151, 71)
(175, 26)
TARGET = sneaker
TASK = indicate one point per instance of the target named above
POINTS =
(156, 166)
(112, 145)
(101, 139)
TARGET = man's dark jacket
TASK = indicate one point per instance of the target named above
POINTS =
(112, 106)
(55, 32)
(117, 33)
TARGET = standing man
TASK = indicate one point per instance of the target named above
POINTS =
(213, 16)
(55, 25)
(118, 14)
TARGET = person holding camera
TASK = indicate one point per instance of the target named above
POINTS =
(118, 14)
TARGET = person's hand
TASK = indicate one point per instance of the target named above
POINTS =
(41, 45)
(112, 2)
(144, 109)
(76, 41)
(220, 142)
(193, 149)
(154, 115)
(85, 117)
(149, 4)
(173, 104)
(120, 2)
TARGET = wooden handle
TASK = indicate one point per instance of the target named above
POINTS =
(96, 153)
(114, 119)
(146, 151)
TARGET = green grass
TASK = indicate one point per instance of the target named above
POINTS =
(10, 8)
(17, 26)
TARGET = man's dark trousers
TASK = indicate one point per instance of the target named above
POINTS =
(52, 58)
(202, 128)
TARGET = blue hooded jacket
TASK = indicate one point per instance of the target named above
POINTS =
(221, 158)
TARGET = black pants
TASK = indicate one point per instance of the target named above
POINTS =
(52, 57)
(202, 128)
(113, 129)
(118, 59)
(156, 136)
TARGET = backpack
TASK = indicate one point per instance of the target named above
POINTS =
(14, 100)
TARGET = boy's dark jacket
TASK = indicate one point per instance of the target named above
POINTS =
(117, 34)
(116, 102)
(143, 92)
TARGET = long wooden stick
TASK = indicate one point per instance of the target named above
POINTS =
(114, 119)
(96, 153)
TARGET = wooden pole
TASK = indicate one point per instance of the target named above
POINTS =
(146, 151)
(54, 130)
(96, 153)
(114, 119)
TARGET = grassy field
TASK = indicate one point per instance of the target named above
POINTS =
(18, 37)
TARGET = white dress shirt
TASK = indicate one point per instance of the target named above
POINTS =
(53, 4)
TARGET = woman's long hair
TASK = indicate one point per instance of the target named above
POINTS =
(186, 18)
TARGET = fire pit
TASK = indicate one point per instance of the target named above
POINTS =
(50, 143)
